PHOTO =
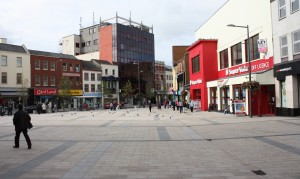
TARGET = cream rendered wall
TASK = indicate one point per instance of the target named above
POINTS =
(68, 44)
(12, 68)
(88, 56)
(255, 13)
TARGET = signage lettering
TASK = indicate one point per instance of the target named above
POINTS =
(198, 81)
(45, 91)
(284, 69)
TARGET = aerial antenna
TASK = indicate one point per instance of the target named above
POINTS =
(116, 17)
(130, 18)
(80, 26)
(93, 32)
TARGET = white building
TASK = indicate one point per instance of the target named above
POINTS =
(169, 79)
(232, 55)
(15, 73)
(286, 39)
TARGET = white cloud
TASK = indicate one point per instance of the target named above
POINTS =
(39, 24)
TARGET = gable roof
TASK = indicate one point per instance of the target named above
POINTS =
(12, 48)
(89, 65)
(52, 54)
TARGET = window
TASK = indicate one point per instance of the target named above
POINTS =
(91, 30)
(4, 77)
(106, 71)
(37, 64)
(64, 66)
(71, 67)
(283, 46)
(45, 65)
(37, 80)
(92, 76)
(3, 60)
(96, 42)
(236, 54)
(52, 80)
(77, 68)
(283, 94)
(113, 72)
(254, 54)
(195, 64)
(282, 9)
(296, 42)
(88, 43)
(83, 44)
(294, 5)
(19, 61)
(45, 80)
(224, 59)
(98, 76)
(98, 87)
(77, 45)
(95, 29)
(19, 78)
(92, 88)
(52, 65)
(86, 88)
(86, 77)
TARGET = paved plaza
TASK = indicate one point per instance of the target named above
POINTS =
(164, 144)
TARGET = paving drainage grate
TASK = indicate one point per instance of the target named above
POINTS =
(259, 172)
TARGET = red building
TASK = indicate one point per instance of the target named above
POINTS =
(203, 67)
(47, 71)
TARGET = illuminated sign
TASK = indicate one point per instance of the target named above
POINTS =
(46, 92)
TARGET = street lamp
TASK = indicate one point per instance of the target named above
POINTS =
(138, 63)
(249, 64)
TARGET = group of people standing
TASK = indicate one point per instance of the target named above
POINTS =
(43, 107)
(179, 105)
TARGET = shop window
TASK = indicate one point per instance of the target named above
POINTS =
(224, 59)
(213, 99)
(238, 92)
(225, 93)
(283, 94)
(236, 54)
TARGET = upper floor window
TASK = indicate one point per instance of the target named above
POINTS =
(45, 65)
(71, 67)
(3, 60)
(294, 5)
(77, 68)
(95, 41)
(77, 82)
(195, 64)
(93, 87)
(98, 77)
(92, 76)
(19, 61)
(282, 9)
(45, 80)
(106, 71)
(224, 59)
(296, 42)
(236, 54)
(86, 88)
(4, 77)
(37, 64)
(52, 65)
(52, 80)
(283, 47)
(86, 77)
(113, 72)
(19, 78)
(254, 54)
(64, 66)
(37, 80)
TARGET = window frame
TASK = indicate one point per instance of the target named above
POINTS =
(196, 64)
(223, 59)
(52, 81)
(45, 80)
(296, 42)
(3, 60)
(86, 87)
(19, 62)
(93, 77)
(45, 65)
(236, 54)
(19, 78)
(37, 80)
(281, 7)
(86, 76)
(4, 77)
(283, 46)
(37, 64)
(294, 10)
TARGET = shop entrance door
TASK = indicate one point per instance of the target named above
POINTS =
(271, 99)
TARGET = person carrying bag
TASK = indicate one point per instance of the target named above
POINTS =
(22, 122)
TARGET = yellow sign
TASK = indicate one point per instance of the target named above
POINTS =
(72, 92)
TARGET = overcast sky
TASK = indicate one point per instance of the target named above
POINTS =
(40, 24)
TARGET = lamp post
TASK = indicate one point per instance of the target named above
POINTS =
(249, 64)
(138, 63)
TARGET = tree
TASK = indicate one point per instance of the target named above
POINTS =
(128, 91)
(65, 90)
(23, 90)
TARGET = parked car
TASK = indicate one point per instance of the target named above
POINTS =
(30, 109)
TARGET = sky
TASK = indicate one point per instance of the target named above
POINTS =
(40, 24)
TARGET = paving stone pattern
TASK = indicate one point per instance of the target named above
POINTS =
(135, 144)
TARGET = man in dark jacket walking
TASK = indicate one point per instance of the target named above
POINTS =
(21, 120)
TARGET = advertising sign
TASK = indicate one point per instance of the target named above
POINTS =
(262, 45)
(240, 107)
(45, 92)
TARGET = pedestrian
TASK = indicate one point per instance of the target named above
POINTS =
(44, 107)
(21, 122)
(150, 105)
(192, 105)
(180, 106)
(9, 109)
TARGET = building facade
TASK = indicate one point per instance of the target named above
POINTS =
(14, 74)
(169, 82)
(286, 42)
(47, 73)
(233, 52)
